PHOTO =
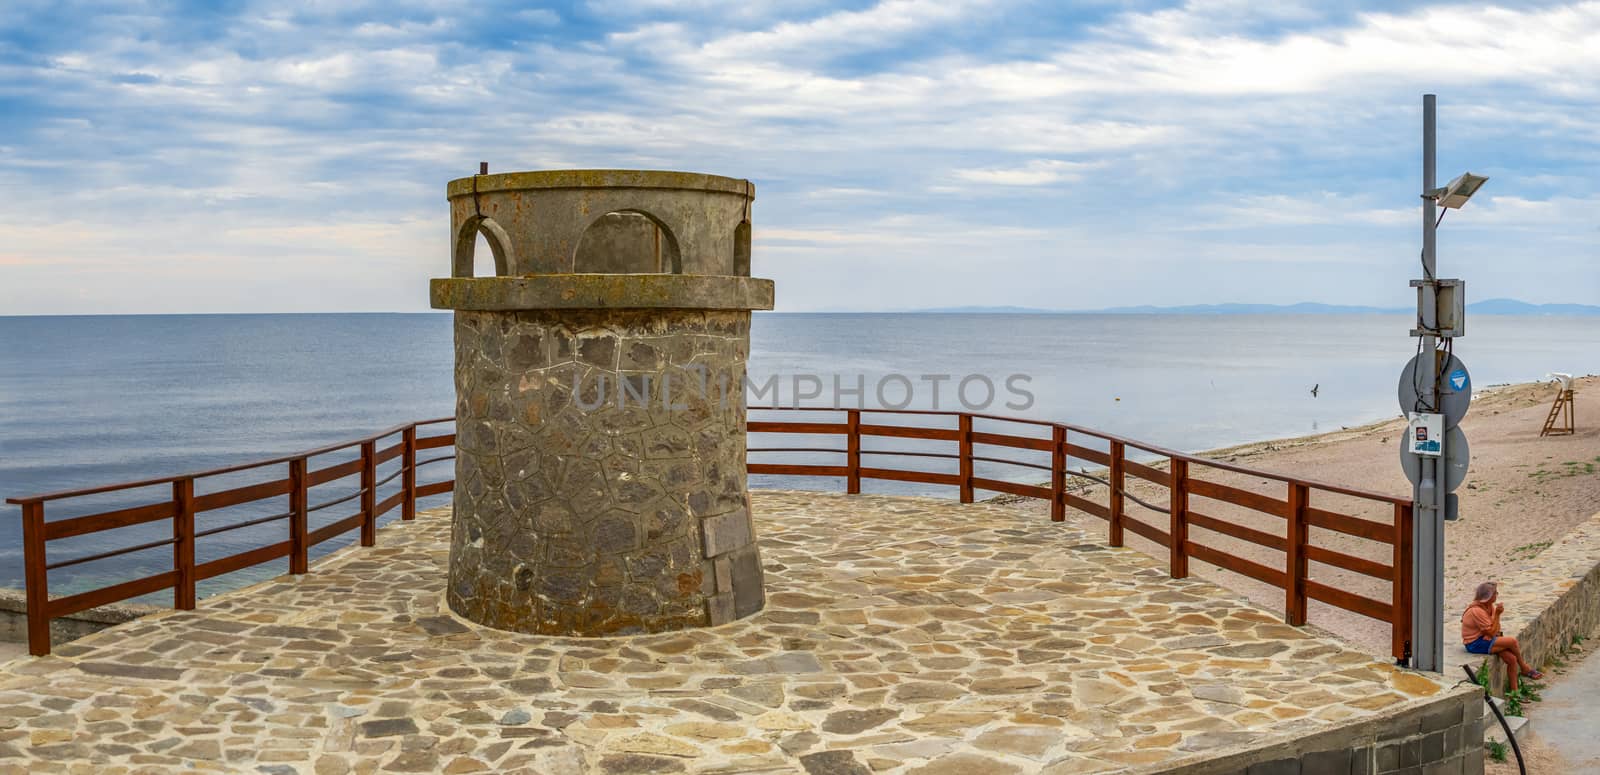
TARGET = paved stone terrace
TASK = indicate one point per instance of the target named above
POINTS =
(901, 635)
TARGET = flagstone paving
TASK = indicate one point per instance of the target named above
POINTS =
(901, 635)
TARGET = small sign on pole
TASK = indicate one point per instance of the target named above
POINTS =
(1426, 433)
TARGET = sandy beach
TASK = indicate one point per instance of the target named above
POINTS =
(1522, 492)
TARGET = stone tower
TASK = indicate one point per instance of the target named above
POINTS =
(600, 423)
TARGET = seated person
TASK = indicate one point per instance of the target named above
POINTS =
(1480, 631)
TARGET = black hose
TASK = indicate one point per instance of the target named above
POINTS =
(1516, 749)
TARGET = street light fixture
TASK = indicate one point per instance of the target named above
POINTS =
(1441, 310)
(1458, 191)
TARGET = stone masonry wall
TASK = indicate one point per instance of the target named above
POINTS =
(1438, 736)
(14, 618)
(600, 471)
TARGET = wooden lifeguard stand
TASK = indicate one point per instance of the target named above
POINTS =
(1559, 422)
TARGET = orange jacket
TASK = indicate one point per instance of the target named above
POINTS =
(1477, 622)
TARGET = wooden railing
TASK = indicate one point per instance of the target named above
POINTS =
(185, 503)
(961, 448)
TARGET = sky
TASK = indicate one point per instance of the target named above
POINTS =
(292, 155)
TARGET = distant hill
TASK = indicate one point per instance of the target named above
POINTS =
(1514, 307)
(1485, 307)
(1302, 308)
(1003, 310)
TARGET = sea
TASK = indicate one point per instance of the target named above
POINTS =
(92, 400)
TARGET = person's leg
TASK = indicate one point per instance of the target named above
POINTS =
(1516, 648)
(1512, 672)
(1511, 651)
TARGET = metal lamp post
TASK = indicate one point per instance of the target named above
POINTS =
(1434, 392)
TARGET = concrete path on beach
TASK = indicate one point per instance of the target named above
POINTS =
(1565, 718)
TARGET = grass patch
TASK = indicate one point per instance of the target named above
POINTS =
(1497, 751)
(1529, 551)
(1527, 691)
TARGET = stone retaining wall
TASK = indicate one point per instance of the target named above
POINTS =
(1439, 736)
(14, 618)
(1548, 600)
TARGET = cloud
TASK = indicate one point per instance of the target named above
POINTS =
(1321, 207)
(1039, 172)
(1075, 145)
(880, 24)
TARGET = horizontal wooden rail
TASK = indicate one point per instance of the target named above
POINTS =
(1348, 562)
(907, 432)
(1258, 537)
(1148, 531)
(83, 601)
(1349, 601)
(183, 506)
(796, 427)
(437, 488)
(339, 471)
(110, 520)
(434, 442)
(1092, 455)
(1148, 473)
(389, 453)
(1041, 492)
(1361, 528)
(797, 470)
(898, 475)
(238, 495)
(242, 560)
(1238, 497)
(1084, 504)
(330, 530)
(1017, 442)
(1238, 565)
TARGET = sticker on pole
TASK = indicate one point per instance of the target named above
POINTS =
(1426, 434)
(1452, 466)
(1455, 390)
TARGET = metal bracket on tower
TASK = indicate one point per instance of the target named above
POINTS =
(1450, 307)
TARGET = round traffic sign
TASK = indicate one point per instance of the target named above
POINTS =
(1455, 390)
(1456, 458)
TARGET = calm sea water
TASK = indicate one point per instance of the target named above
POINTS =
(94, 400)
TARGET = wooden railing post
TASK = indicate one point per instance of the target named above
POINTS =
(853, 451)
(183, 595)
(1179, 513)
(37, 579)
(408, 477)
(1058, 473)
(297, 516)
(965, 453)
(1115, 500)
(1400, 620)
(369, 475)
(1295, 552)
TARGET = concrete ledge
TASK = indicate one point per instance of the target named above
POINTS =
(601, 291)
(14, 618)
(1549, 599)
(1437, 735)
(546, 179)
